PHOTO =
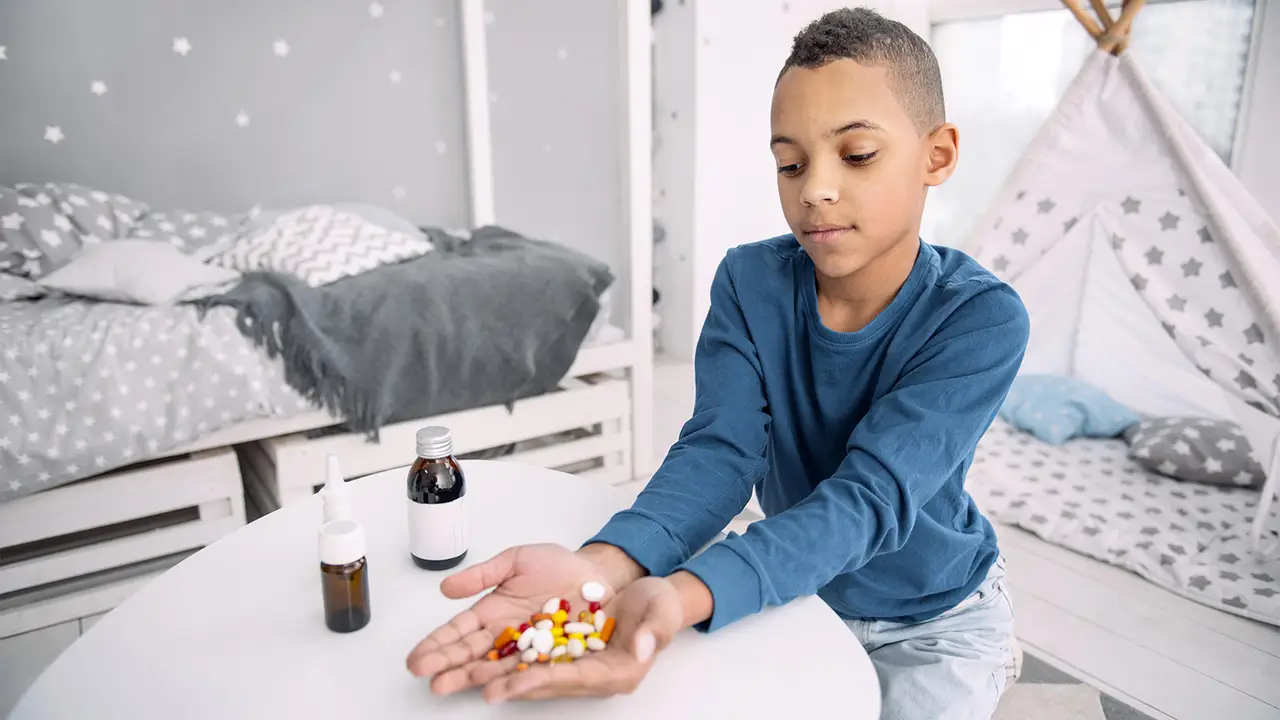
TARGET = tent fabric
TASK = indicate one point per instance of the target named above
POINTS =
(1146, 267)
(1088, 496)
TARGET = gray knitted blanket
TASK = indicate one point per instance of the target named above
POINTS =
(487, 321)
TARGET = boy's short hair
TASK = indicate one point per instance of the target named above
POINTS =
(868, 38)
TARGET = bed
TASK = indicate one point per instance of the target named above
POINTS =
(143, 434)
(1088, 496)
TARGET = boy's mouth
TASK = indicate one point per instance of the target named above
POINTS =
(825, 233)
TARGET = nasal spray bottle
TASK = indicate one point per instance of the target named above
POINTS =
(344, 572)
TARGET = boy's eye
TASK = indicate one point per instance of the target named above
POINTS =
(790, 170)
(860, 159)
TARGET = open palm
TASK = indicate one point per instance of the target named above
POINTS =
(523, 578)
(648, 613)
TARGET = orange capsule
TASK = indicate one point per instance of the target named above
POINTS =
(493, 655)
(507, 636)
(540, 617)
(542, 657)
(607, 631)
(522, 667)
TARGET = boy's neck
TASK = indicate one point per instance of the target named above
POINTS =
(850, 303)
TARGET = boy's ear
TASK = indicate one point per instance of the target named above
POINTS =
(943, 148)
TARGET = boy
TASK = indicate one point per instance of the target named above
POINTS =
(846, 372)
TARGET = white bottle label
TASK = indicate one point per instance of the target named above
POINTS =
(439, 531)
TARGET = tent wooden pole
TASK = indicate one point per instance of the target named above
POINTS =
(1095, 32)
(1116, 39)
(1104, 15)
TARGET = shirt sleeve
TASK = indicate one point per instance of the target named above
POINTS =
(911, 441)
(708, 474)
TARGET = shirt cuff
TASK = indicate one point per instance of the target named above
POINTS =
(644, 539)
(733, 581)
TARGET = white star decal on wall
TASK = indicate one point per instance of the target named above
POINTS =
(441, 146)
(395, 77)
(53, 134)
(280, 48)
(562, 53)
(98, 88)
(242, 119)
(182, 46)
(376, 10)
(439, 23)
(3, 53)
(489, 18)
(398, 192)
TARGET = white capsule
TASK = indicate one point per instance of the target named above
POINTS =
(595, 644)
(544, 625)
(551, 607)
(558, 650)
(526, 639)
(579, 627)
(576, 648)
(599, 620)
(592, 592)
(530, 655)
(544, 641)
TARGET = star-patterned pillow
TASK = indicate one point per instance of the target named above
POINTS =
(42, 227)
(1199, 450)
(201, 234)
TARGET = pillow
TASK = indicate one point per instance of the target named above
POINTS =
(1055, 409)
(138, 271)
(1212, 452)
(201, 234)
(42, 227)
(321, 244)
(13, 288)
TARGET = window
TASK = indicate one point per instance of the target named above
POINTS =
(1003, 76)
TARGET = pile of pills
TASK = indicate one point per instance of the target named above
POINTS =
(549, 637)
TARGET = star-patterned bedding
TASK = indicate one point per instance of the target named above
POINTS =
(1088, 496)
(87, 387)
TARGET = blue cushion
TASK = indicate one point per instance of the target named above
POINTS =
(1056, 408)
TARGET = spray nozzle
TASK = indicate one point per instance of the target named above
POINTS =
(337, 504)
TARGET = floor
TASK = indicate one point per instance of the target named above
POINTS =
(1142, 646)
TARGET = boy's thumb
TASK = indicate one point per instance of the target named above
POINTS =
(645, 644)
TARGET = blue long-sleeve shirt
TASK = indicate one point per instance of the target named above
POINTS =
(856, 443)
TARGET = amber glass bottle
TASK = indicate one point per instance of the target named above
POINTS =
(344, 576)
(437, 502)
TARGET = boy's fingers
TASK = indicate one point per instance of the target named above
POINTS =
(476, 672)
(481, 577)
(461, 640)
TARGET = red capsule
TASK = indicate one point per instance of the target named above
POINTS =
(564, 605)
(507, 649)
(593, 607)
(524, 626)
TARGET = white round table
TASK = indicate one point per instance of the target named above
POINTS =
(236, 630)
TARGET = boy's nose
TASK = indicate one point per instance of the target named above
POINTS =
(820, 188)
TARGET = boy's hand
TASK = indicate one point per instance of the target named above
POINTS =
(648, 612)
(523, 578)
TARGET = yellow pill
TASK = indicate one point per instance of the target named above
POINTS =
(562, 640)
(595, 635)
(577, 636)
(557, 631)
(559, 616)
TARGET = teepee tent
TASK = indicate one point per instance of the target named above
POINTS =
(1147, 268)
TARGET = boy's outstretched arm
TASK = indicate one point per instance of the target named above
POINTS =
(898, 456)
(707, 476)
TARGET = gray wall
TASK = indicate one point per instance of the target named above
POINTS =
(326, 122)
(556, 77)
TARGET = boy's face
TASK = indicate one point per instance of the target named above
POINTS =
(852, 167)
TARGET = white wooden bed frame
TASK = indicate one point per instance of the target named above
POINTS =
(69, 554)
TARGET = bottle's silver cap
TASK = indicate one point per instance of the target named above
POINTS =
(434, 442)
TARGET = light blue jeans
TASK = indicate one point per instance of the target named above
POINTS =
(953, 667)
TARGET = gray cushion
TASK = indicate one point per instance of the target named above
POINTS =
(42, 227)
(144, 272)
(1213, 452)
